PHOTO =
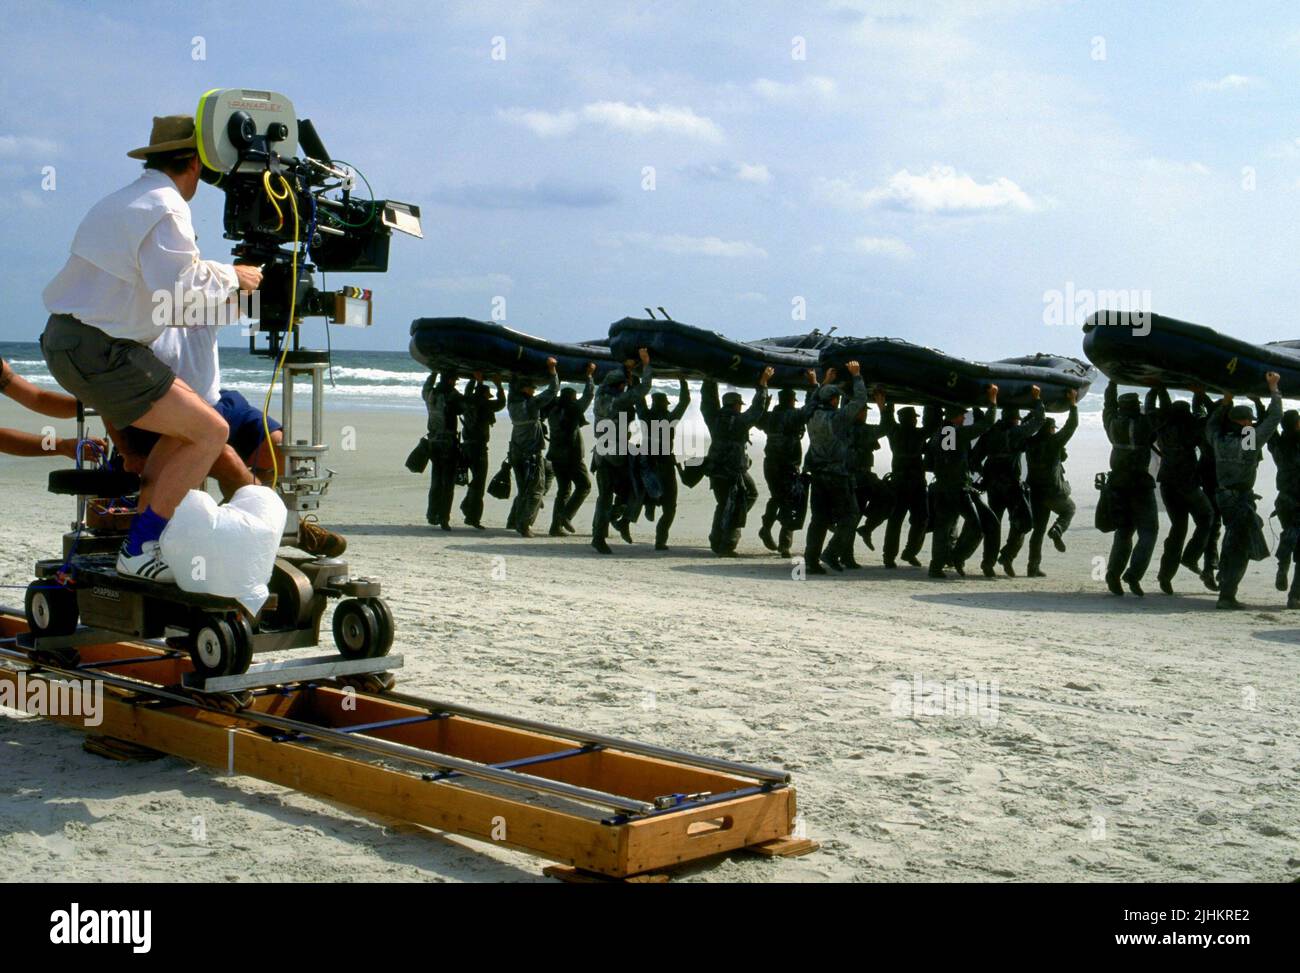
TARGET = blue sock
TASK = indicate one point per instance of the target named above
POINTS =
(147, 526)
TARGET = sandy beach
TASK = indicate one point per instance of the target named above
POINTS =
(1119, 739)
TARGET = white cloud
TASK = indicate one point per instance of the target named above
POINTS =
(752, 297)
(746, 172)
(1229, 82)
(619, 116)
(730, 171)
(25, 146)
(810, 89)
(697, 246)
(941, 190)
(884, 246)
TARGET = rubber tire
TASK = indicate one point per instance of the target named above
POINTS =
(93, 483)
(356, 629)
(243, 645)
(386, 625)
(225, 644)
(46, 597)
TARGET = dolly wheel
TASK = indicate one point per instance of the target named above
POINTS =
(356, 629)
(214, 648)
(51, 609)
(384, 614)
(243, 645)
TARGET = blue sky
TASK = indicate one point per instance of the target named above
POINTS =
(926, 171)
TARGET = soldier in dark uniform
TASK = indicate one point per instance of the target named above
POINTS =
(1202, 406)
(1179, 437)
(616, 410)
(445, 405)
(1238, 441)
(869, 492)
(527, 441)
(1049, 490)
(728, 459)
(953, 497)
(1285, 447)
(1000, 451)
(833, 507)
(1132, 490)
(565, 418)
(784, 426)
(476, 429)
(660, 436)
(907, 480)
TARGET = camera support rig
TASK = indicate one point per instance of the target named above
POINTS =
(278, 211)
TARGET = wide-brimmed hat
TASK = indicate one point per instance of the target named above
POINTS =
(169, 133)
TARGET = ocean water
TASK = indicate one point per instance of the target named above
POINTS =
(370, 380)
(356, 380)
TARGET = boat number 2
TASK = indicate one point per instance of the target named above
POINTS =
(735, 362)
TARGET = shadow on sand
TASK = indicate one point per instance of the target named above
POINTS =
(1071, 602)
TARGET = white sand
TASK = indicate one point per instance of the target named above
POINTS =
(1132, 740)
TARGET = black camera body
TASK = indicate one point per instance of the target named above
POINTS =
(292, 214)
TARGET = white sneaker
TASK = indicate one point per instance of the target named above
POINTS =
(148, 564)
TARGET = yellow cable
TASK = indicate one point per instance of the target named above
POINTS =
(293, 299)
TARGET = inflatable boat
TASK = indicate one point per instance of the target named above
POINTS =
(912, 373)
(1141, 348)
(465, 345)
(695, 353)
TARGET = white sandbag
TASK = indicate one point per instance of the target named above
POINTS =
(226, 550)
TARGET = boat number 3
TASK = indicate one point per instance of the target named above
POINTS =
(952, 379)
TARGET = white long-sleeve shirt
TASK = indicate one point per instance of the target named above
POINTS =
(135, 266)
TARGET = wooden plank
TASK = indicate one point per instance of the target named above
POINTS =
(787, 847)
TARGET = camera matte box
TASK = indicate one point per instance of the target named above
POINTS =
(212, 123)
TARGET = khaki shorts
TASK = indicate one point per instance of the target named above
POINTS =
(118, 378)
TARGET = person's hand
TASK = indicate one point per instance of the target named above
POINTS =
(854, 368)
(591, 369)
(1198, 389)
(992, 393)
(1272, 378)
(879, 395)
(250, 276)
(763, 379)
(644, 355)
(550, 365)
(1227, 398)
(811, 375)
(1035, 392)
(478, 377)
(1071, 396)
(91, 449)
(829, 376)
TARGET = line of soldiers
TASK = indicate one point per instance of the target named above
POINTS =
(834, 487)
(1209, 460)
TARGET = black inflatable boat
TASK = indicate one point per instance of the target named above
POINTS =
(912, 373)
(696, 353)
(1141, 348)
(465, 345)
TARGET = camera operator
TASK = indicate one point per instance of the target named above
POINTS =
(135, 249)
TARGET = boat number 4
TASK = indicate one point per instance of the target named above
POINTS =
(1232, 367)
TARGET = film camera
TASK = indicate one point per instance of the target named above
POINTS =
(293, 212)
